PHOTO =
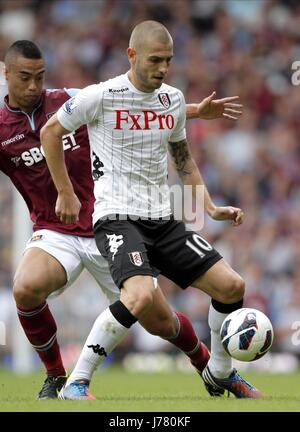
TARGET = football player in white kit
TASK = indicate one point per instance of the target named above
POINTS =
(132, 121)
(56, 253)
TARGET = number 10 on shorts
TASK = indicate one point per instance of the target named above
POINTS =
(199, 245)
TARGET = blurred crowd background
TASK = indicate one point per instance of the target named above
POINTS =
(236, 47)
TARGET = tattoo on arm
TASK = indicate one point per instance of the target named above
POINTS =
(181, 157)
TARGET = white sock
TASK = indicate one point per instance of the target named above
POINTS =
(220, 363)
(106, 333)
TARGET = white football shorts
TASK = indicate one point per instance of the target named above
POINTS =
(74, 254)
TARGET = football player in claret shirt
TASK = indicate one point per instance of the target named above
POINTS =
(57, 252)
(132, 120)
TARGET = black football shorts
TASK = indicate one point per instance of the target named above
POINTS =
(150, 247)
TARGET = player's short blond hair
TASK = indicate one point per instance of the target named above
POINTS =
(149, 32)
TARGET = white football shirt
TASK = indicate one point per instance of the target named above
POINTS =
(129, 131)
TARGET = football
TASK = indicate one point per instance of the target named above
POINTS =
(247, 334)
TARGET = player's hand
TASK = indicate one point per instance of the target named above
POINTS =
(236, 215)
(211, 108)
(67, 208)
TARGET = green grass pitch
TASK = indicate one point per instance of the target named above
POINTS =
(120, 391)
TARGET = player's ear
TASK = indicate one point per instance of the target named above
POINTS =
(131, 53)
(3, 71)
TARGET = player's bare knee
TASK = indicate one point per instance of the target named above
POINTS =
(235, 289)
(138, 294)
(28, 293)
(144, 302)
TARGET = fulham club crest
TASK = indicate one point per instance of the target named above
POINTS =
(164, 99)
(136, 258)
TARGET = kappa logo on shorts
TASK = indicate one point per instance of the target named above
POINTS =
(164, 99)
(36, 237)
(136, 258)
(114, 242)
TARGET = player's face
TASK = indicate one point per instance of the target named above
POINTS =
(25, 79)
(150, 66)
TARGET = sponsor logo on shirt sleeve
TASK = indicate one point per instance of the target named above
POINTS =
(49, 115)
(36, 237)
(70, 105)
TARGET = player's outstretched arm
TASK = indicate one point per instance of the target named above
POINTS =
(211, 108)
(67, 205)
(190, 174)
